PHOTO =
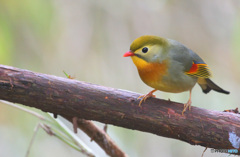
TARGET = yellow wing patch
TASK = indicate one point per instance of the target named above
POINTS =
(199, 70)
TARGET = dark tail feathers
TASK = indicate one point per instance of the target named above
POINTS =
(212, 86)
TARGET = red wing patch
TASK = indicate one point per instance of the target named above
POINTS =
(199, 70)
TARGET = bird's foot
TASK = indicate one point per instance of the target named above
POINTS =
(187, 105)
(145, 96)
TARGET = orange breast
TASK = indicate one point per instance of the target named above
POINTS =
(150, 73)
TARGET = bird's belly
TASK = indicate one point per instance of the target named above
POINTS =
(166, 78)
(170, 84)
(177, 85)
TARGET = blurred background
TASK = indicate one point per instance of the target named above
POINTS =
(87, 38)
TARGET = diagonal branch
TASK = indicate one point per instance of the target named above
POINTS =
(100, 137)
(70, 98)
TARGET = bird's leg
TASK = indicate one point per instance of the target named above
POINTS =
(145, 96)
(188, 104)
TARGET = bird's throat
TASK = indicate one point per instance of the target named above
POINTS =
(140, 63)
(150, 73)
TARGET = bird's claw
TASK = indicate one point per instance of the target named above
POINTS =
(141, 96)
(146, 95)
(144, 98)
(187, 105)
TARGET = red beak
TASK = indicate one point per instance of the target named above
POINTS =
(129, 53)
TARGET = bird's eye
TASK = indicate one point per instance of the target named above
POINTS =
(145, 50)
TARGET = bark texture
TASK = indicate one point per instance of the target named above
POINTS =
(72, 98)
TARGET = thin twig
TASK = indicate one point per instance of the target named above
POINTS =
(80, 145)
(204, 151)
(32, 139)
(23, 109)
(74, 122)
(100, 137)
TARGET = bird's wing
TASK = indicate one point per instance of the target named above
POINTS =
(199, 68)
(192, 64)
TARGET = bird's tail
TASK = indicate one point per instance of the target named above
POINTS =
(207, 85)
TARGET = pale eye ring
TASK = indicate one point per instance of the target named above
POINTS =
(145, 50)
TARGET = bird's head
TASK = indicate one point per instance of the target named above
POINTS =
(148, 48)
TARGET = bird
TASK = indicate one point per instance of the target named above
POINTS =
(169, 66)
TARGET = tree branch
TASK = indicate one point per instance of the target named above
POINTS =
(100, 137)
(70, 98)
